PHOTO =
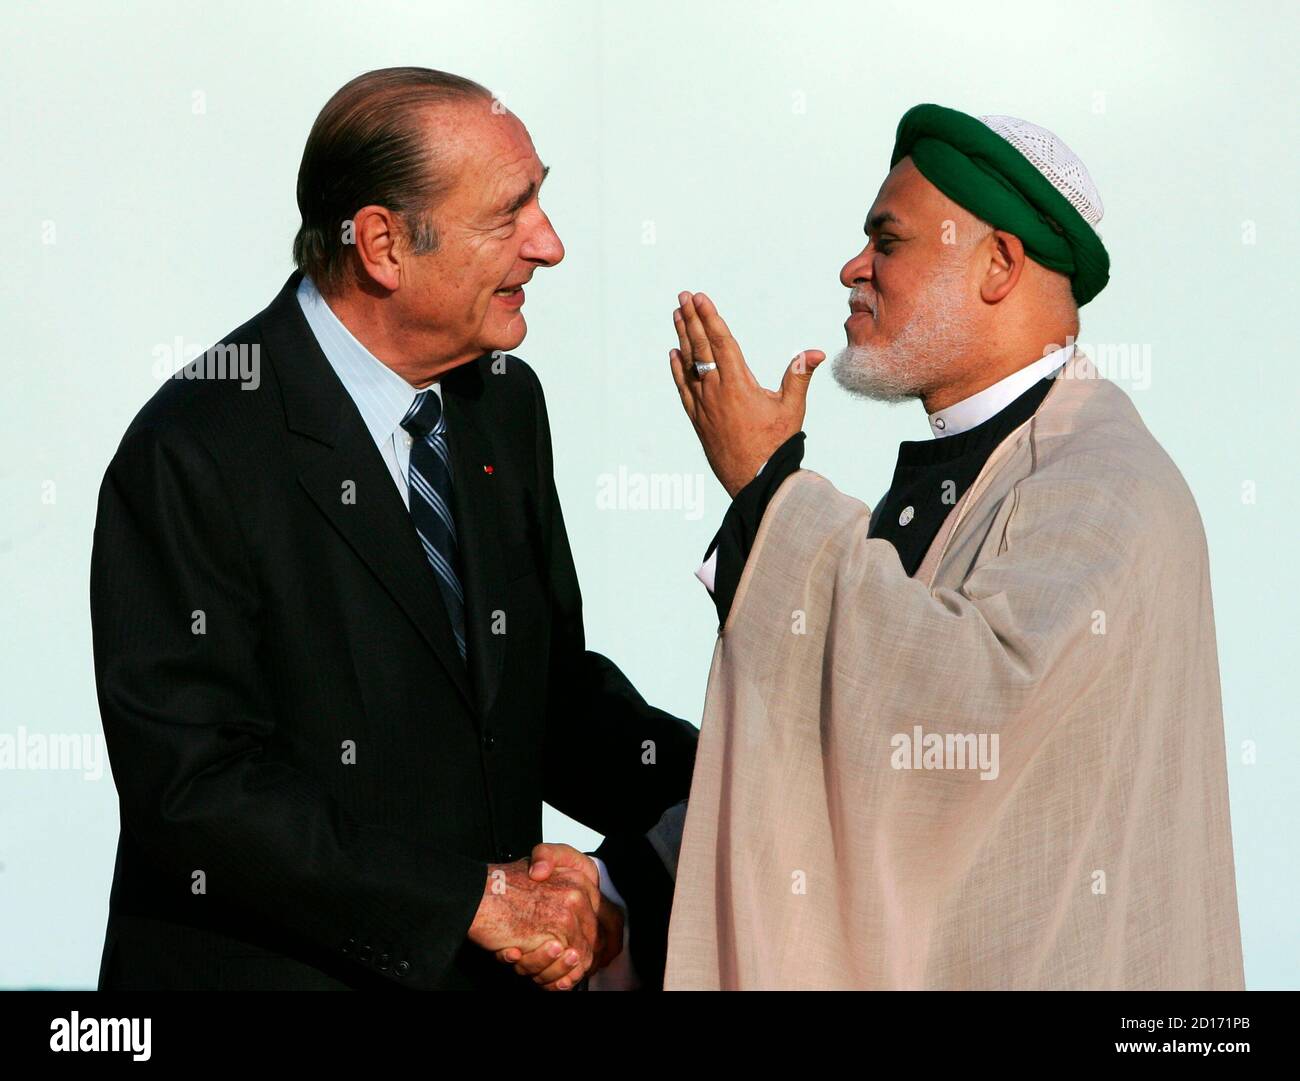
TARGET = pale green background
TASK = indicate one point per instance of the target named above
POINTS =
(732, 148)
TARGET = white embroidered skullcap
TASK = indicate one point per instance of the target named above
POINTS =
(1056, 161)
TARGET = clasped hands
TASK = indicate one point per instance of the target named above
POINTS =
(547, 917)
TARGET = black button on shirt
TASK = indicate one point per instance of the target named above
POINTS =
(930, 477)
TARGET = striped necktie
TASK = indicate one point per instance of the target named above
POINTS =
(430, 492)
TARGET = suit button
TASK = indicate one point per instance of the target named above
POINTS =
(382, 962)
(507, 856)
(489, 740)
(402, 968)
(364, 953)
(349, 945)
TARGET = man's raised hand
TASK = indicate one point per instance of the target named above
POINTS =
(739, 422)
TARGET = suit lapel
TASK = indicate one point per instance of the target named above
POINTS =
(342, 458)
(478, 526)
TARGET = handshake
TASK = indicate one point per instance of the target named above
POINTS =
(547, 917)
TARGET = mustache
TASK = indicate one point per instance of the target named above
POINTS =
(860, 299)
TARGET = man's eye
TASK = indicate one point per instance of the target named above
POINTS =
(885, 245)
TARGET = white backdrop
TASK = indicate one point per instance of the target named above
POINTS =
(151, 152)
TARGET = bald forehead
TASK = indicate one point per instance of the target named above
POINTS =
(477, 126)
(472, 130)
(492, 154)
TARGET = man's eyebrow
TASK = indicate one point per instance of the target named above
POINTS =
(523, 197)
(883, 218)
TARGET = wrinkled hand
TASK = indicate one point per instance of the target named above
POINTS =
(550, 965)
(739, 423)
(520, 910)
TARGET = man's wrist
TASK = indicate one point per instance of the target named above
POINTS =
(607, 887)
(739, 529)
(494, 888)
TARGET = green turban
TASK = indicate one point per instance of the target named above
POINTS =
(999, 170)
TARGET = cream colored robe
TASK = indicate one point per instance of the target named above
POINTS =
(1065, 607)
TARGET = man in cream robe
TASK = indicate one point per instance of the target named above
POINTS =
(1003, 770)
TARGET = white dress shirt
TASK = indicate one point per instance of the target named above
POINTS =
(983, 404)
(959, 417)
(381, 395)
(383, 398)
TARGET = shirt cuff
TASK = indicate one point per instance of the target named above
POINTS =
(707, 572)
(730, 548)
(619, 974)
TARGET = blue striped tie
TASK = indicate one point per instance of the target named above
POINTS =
(430, 491)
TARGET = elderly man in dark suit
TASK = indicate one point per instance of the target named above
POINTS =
(338, 633)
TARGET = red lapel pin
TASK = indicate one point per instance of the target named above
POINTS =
(488, 470)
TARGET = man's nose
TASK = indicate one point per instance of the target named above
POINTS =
(857, 269)
(543, 245)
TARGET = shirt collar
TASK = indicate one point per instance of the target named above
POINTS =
(381, 395)
(976, 409)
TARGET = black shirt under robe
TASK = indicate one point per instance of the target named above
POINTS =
(930, 476)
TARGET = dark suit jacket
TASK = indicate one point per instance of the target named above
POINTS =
(311, 781)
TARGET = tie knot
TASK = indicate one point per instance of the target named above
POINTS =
(424, 414)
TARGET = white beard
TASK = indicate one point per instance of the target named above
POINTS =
(939, 330)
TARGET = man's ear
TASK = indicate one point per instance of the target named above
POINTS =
(1005, 265)
(375, 233)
